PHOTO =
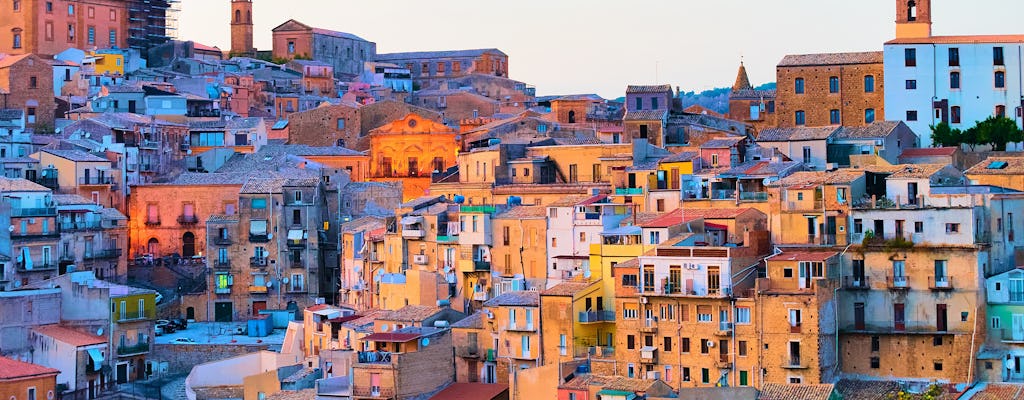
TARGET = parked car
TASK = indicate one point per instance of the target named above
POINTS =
(165, 326)
(183, 340)
(159, 330)
(159, 297)
(180, 324)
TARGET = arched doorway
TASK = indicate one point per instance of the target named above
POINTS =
(153, 246)
(572, 116)
(188, 245)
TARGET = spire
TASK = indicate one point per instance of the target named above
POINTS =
(742, 82)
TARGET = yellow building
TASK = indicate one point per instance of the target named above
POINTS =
(574, 321)
(1003, 171)
(505, 336)
(107, 63)
(410, 150)
(518, 247)
(813, 207)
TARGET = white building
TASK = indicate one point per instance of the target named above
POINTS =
(573, 225)
(955, 79)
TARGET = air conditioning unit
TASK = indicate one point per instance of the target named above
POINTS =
(643, 299)
(420, 259)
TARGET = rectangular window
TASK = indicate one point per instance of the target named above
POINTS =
(911, 84)
(654, 103)
(33, 82)
(1000, 79)
(833, 84)
(71, 9)
(742, 315)
(952, 228)
(799, 118)
(833, 117)
(910, 57)
(704, 313)
(639, 103)
(911, 115)
(798, 85)
(869, 84)
(113, 37)
(71, 32)
(954, 57)
(705, 376)
(341, 123)
(741, 348)
(667, 343)
(685, 345)
(954, 80)
(630, 342)
(869, 115)
(997, 56)
(259, 204)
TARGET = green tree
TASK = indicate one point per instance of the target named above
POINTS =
(943, 135)
(998, 131)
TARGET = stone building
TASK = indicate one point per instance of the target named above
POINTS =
(430, 68)
(410, 149)
(348, 125)
(92, 238)
(241, 28)
(830, 89)
(755, 107)
(344, 51)
(47, 27)
(31, 243)
(26, 82)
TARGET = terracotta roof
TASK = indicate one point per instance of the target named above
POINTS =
(960, 39)
(866, 390)
(8, 60)
(645, 115)
(318, 307)
(690, 214)
(797, 133)
(412, 312)
(70, 200)
(648, 88)
(998, 166)
(20, 185)
(928, 152)
(566, 289)
(475, 321)
(391, 337)
(800, 60)
(568, 201)
(481, 391)
(436, 54)
(76, 155)
(805, 178)
(742, 81)
(521, 298)
(777, 391)
(680, 157)
(916, 171)
(803, 256)
(593, 199)
(874, 130)
(582, 382)
(630, 384)
(721, 143)
(995, 391)
(14, 369)
(523, 212)
(671, 218)
(69, 336)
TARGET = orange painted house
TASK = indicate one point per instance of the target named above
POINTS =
(409, 150)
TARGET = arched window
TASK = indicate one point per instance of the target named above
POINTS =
(188, 245)
(911, 11)
(238, 16)
(572, 116)
(248, 17)
(153, 246)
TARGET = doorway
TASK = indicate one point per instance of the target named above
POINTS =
(222, 311)
(122, 372)
(190, 314)
(258, 306)
(188, 245)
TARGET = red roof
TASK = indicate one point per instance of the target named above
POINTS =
(928, 151)
(14, 369)
(482, 391)
(203, 47)
(671, 218)
(719, 227)
(317, 307)
(713, 213)
(69, 336)
(391, 337)
(592, 200)
(803, 256)
(345, 318)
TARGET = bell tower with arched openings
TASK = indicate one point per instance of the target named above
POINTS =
(913, 18)
(241, 28)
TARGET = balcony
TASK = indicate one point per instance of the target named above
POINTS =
(222, 264)
(413, 233)
(723, 194)
(153, 221)
(38, 267)
(222, 241)
(49, 183)
(147, 168)
(491, 355)
(467, 352)
(188, 219)
(264, 238)
(650, 325)
(34, 212)
(1007, 335)
(629, 191)
(104, 254)
(481, 265)
(527, 327)
(856, 283)
(477, 209)
(480, 296)
(753, 195)
(138, 348)
(898, 282)
(821, 240)
(804, 205)
(224, 290)
(591, 317)
(257, 289)
(34, 235)
(794, 362)
(940, 282)
(149, 144)
(96, 181)
(258, 262)
(297, 243)
(723, 362)
(373, 357)
(373, 393)
(649, 355)
(72, 226)
(724, 329)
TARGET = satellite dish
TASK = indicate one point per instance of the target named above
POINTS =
(425, 342)
(711, 343)
(1008, 363)
(270, 283)
(270, 236)
(99, 332)
(10, 228)
(384, 327)
(284, 280)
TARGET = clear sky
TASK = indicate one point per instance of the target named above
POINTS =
(600, 46)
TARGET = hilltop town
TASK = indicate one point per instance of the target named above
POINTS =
(322, 221)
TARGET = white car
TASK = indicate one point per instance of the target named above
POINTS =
(183, 340)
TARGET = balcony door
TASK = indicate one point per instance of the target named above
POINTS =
(941, 318)
(1018, 327)
(188, 245)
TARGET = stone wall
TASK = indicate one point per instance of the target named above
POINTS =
(180, 358)
(816, 101)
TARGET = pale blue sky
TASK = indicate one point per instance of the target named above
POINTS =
(600, 46)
